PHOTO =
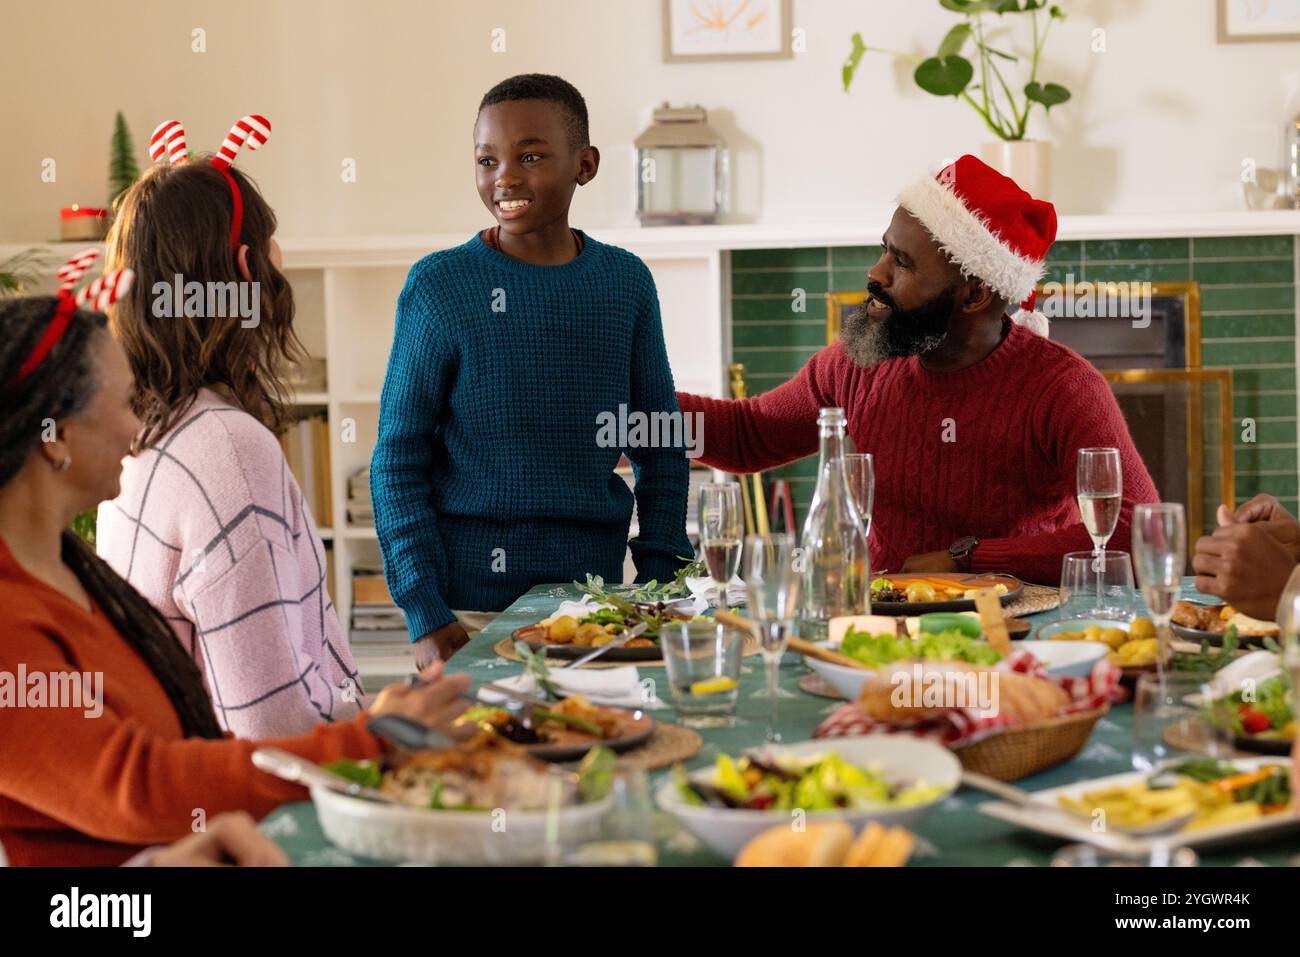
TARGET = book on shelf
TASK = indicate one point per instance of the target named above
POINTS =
(369, 589)
(305, 443)
(376, 619)
(361, 509)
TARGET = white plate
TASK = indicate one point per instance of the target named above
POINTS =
(1065, 826)
(727, 830)
(1060, 658)
(395, 833)
(1065, 659)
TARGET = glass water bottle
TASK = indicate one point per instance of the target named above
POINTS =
(836, 574)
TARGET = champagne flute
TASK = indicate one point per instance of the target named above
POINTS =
(860, 471)
(1288, 623)
(721, 526)
(772, 586)
(1159, 554)
(1100, 491)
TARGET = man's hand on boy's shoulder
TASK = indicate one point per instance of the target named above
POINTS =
(439, 644)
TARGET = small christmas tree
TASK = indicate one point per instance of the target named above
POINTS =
(122, 168)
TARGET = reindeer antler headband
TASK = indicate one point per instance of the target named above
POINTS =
(104, 291)
(251, 131)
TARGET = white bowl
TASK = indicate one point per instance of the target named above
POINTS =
(391, 832)
(727, 830)
(847, 681)
(1060, 658)
(1065, 659)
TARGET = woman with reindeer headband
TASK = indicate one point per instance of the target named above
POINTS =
(211, 526)
(108, 737)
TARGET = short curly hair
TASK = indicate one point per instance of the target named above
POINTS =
(553, 89)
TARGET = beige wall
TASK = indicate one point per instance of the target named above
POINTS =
(1161, 121)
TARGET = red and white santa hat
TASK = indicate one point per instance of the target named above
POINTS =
(990, 227)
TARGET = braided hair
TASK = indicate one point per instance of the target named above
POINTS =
(61, 386)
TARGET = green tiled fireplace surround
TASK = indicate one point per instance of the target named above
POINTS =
(1248, 322)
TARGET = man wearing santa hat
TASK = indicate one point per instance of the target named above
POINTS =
(973, 416)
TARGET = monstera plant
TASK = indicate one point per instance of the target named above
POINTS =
(978, 78)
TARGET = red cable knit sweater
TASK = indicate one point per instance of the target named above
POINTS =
(989, 450)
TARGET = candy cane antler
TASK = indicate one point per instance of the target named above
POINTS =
(251, 131)
(107, 289)
(75, 268)
(169, 138)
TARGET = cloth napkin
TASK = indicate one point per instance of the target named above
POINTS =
(579, 609)
(615, 687)
(1257, 666)
(967, 725)
(702, 590)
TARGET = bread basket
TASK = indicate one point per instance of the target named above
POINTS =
(1020, 751)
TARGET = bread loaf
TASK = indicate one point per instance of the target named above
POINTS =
(914, 691)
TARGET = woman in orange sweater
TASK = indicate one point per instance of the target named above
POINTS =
(90, 779)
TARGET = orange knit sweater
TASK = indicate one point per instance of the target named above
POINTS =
(82, 791)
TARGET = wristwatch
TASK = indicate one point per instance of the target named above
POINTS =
(961, 549)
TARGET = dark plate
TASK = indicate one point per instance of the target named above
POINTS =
(570, 652)
(1278, 746)
(643, 727)
(1014, 589)
(1215, 638)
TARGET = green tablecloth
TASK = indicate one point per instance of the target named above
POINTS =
(954, 833)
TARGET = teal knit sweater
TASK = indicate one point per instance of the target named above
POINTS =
(488, 477)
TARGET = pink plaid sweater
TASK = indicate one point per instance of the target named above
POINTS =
(211, 527)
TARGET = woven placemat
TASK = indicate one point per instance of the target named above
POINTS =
(817, 685)
(506, 649)
(669, 744)
(1033, 599)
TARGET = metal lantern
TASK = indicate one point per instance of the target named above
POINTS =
(681, 169)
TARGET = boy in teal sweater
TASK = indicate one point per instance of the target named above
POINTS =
(491, 473)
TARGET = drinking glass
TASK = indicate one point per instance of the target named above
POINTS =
(1160, 855)
(617, 822)
(1097, 588)
(1100, 491)
(860, 472)
(1175, 715)
(1288, 623)
(772, 589)
(702, 659)
(722, 522)
(1159, 550)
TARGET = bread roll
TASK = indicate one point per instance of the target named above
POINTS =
(923, 690)
(818, 845)
(1253, 627)
(877, 846)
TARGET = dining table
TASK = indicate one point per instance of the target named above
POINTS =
(953, 833)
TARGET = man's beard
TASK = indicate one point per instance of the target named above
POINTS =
(902, 333)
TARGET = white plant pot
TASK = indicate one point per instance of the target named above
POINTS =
(1028, 162)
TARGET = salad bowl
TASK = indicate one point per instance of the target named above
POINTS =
(923, 774)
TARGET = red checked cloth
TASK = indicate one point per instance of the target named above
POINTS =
(967, 725)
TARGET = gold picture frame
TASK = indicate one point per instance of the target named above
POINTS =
(784, 8)
(836, 303)
(1225, 37)
(1222, 380)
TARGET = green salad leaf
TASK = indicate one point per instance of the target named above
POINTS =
(366, 773)
(946, 645)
